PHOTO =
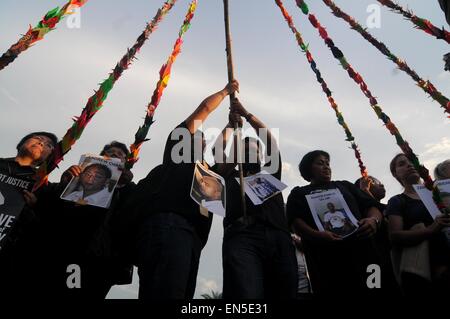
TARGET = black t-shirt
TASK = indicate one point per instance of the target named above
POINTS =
(339, 266)
(412, 210)
(72, 229)
(270, 212)
(25, 224)
(174, 193)
(19, 256)
(358, 201)
(11, 167)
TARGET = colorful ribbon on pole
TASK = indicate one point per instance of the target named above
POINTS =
(95, 102)
(426, 86)
(47, 24)
(164, 77)
(420, 23)
(337, 53)
(325, 88)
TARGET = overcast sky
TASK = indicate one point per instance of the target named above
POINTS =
(51, 82)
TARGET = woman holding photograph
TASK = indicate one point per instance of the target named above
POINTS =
(92, 186)
(336, 265)
(84, 235)
(414, 232)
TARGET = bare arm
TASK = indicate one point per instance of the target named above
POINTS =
(401, 237)
(225, 164)
(209, 105)
(258, 126)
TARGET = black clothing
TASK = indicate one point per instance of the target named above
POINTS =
(18, 251)
(258, 254)
(336, 267)
(173, 194)
(258, 262)
(168, 257)
(413, 211)
(172, 231)
(270, 212)
(81, 235)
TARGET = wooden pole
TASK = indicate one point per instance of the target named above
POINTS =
(232, 96)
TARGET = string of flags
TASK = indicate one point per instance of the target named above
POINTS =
(426, 86)
(420, 23)
(47, 24)
(304, 47)
(358, 79)
(164, 77)
(95, 102)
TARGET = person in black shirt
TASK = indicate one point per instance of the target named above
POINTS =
(410, 224)
(18, 254)
(82, 235)
(445, 6)
(258, 254)
(336, 265)
(174, 228)
(373, 187)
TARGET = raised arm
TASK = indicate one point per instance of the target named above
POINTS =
(258, 125)
(209, 105)
(225, 164)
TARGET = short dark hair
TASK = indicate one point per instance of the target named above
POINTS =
(51, 136)
(358, 181)
(117, 144)
(392, 166)
(439, 169)
(306, 163)
(104, 168)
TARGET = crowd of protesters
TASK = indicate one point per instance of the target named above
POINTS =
(273, 250)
